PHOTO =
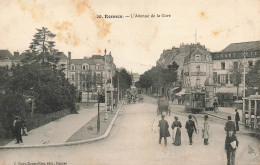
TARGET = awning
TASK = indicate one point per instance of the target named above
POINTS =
(173, 89)
(182, 92)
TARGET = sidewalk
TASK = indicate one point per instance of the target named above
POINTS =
(224, 112)
(57, 132)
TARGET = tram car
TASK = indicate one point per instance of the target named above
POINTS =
(196, 102)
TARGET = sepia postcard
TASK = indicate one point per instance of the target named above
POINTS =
(129, 82)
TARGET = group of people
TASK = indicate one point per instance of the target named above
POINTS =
(231, 142)
(176, 127)
(19, 129)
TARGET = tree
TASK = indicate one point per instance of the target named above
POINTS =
(160, 78)
(41, 48)
(253, 77)
(236, 74)
(125, 79)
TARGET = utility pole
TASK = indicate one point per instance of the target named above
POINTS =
(106, 117)
(244, 80)
(118, 88)
(112, 99)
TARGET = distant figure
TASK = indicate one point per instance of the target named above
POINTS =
(190, 126)
(15, 120)
(164, 132)
(231, 145)
(215, 105)
(176, 136)
(17, 129)
(24, 128)
(237, 119)
(230, 125)
(205, 130)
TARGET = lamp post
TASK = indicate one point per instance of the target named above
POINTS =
(98, 119)
(112, 99)
(244, 74)
(106, 117)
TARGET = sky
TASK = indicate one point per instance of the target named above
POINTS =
(135, 43)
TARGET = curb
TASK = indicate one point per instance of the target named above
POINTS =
(240, 123)
(105, 135)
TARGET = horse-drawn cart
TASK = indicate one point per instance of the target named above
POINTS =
(163, 106)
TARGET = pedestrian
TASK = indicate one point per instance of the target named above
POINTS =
(24, 128)
(18, 130)
(164, 130)
(230, 125)
(15, 120)
(237, 119)
(215, 105)
(190, 126)
(231, 145)
(176, 136)
(205, 130)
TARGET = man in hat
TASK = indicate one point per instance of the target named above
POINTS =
(164, 131)
(190, 126)
(230, 125)
(237, 119)
(17, 130)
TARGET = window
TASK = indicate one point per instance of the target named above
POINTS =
(215, 77)
(72, 67)
(250, 63)
(73, 77)
(235, 65)
(197, 57)
(198, 68)
(223, 67)
(97, 66)
(222, 79)
(84, 67)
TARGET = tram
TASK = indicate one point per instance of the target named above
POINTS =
(198, 102)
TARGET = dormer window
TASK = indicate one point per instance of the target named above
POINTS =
(197, 57)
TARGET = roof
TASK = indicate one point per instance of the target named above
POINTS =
(242, 46)
(89, 61)
(204, 53)
(61, 56)
(5, 54)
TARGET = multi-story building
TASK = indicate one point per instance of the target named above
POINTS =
(88, 74)
(7, 59)
(233, 56)
(198, 74)
(177, 55)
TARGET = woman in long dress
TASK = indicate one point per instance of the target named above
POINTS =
(176, 126)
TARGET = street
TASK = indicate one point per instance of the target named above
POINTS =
(134, 141)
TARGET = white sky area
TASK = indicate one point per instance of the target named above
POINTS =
(135, 43)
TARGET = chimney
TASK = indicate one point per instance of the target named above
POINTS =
(69, 55)
(16, 54)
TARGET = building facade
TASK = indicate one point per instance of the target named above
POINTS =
(235, 55)
(88, 74)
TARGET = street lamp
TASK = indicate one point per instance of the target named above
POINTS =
(106, 117)
(98, 119)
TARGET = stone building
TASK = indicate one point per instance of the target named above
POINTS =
(88, 74)
(232, 56)
(198, 74)
(177, 55)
